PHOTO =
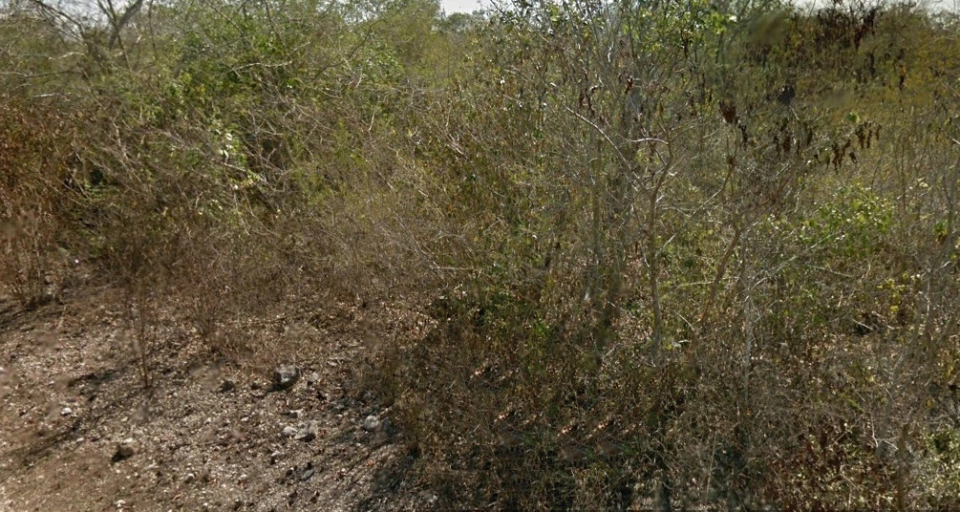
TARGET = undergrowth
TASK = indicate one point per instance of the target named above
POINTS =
(674, 255)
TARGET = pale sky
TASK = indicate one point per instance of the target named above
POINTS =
(452, 6)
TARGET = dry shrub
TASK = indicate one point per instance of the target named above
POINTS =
(794, 364)
(655, 274)
(39, 192)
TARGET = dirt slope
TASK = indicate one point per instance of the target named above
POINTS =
(79, 431)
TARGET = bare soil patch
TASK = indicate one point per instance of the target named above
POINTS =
(79, 431)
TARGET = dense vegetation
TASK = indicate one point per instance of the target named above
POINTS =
(677, 253)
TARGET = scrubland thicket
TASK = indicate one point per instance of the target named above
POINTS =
(677, 253)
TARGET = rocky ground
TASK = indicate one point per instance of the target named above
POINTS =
(281, 421)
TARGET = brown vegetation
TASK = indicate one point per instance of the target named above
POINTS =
(674, 255)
